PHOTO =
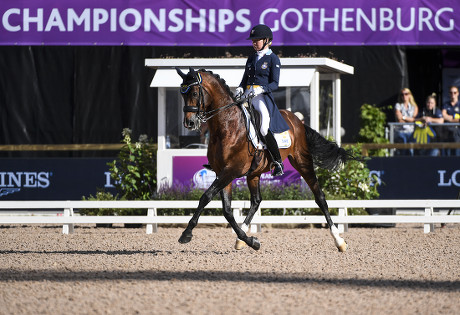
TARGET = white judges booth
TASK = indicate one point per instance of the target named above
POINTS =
(299, 91)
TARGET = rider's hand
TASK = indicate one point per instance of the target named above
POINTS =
(239, 92)
(258, 90)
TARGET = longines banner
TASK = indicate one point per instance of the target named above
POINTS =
(228, 22)
(53, 179)
(72, 178)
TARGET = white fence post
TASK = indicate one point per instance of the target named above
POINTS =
(343, 227)
(152, 227)
(255, 228)
(237, 212)
(68, 228)
(428, 227)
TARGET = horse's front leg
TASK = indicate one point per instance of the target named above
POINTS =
(216, 186)
(256, 199)
(226, 195)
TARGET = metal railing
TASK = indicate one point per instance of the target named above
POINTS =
(441, 142)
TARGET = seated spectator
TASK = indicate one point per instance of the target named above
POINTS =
(428, 115)
(405, 112)
(451, 114)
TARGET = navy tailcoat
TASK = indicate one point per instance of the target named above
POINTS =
(266, 73)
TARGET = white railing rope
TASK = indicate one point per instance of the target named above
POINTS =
(152, 219)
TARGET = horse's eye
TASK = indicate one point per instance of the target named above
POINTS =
(194, 94)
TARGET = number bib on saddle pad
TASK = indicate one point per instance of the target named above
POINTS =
(283, 139)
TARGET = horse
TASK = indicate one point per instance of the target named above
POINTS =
(207, 98)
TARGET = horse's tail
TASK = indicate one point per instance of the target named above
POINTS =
(326, 154)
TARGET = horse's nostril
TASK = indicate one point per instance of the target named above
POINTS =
(188, 123)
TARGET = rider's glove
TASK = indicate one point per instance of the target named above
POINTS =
(258, 90)
(239, 92)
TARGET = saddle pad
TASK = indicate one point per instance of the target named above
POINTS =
(283, 139)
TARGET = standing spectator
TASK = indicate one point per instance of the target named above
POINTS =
(430, 114)
(451, 114)
(405, 111)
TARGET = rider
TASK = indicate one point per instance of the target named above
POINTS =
(261, 77)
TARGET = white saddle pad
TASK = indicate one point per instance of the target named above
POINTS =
(283, 139)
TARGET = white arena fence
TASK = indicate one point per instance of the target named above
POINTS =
(413, 211)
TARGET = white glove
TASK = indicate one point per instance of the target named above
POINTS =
(239, 91)
(258, 90)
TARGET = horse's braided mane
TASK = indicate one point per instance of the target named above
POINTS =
(222, 82)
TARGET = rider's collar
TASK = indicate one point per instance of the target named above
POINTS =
(261, 53)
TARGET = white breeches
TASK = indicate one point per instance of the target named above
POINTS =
(259, 105)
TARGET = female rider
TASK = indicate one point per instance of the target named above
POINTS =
(261, 77)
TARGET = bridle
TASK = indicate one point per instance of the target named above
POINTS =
(201, 113)
(185, 88)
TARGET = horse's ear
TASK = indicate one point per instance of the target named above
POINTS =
(191, 70)
(179, 72)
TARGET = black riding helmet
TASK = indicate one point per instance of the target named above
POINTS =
(260, 31)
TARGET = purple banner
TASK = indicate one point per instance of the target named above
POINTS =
(189, 170)
(228, 22)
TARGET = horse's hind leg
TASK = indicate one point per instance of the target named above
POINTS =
(308, 173)
(226, 195)
(256, 199)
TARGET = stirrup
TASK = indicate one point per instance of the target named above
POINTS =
(277, 168)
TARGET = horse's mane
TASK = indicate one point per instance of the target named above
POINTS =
(220, 80)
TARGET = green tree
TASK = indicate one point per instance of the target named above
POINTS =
(352, 181)
(134, 172)
(373, 121)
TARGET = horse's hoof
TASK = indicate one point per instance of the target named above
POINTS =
(239, 244)
(254, 243)
(343, 248)
(185, 237)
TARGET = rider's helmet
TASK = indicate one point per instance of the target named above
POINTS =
(261, 31)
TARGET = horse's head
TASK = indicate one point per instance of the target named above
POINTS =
(192, 92)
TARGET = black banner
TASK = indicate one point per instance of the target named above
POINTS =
(417, 177)
(53, 179)
(73, 178)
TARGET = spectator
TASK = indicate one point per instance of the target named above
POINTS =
(451, 114)
(405, 112)
(428, 115)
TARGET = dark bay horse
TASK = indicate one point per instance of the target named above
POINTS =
(208, 98)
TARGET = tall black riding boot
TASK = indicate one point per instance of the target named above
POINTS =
(272, 146)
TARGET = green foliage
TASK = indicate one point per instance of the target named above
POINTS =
(134, 172)
(351, 182)
(373, 121)
(101, 194)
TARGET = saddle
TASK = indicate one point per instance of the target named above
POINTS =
(253, 123)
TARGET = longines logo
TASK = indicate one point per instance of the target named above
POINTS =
(446, 179)
(11, 182)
